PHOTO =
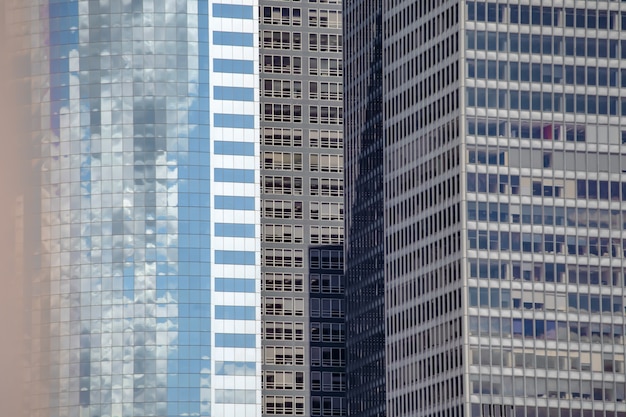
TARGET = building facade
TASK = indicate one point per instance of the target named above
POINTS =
(504, 186)
(145, 118)
(302, 208)
(364, 246)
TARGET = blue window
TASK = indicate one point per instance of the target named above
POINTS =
(235, 396)
(234, 148)
(233, 93)
(225, 202)
(235, 368)
(235, 257)
(237, 340)
(242, 121)
(235, 313)
(235, 285)
(234, 230)
(233, 38)
(234, 11)
(234, 175)
(235, 66)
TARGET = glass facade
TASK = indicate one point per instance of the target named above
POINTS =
(149, 290)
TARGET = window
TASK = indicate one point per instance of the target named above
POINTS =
(328, 406)
(274, 39)
(282, 281)
(282, 88)
(327, 186)
(282, 161)
(325, 18)
(326, 66)
(283, 306)
(282, 112)
(283, 137)
(282, 16)
(284, 355)
(327, 307)
(283, 380)
(281, 209)
(328, 381)
(325, 90)
(283, 405)
(275, 184)
(278, 330)
(327, 283)
(325, 163)
(328, 356)
(326, 114)
(326, 211)
(327, 332)
(326, 259)
(278, 64)
(282, 233)
(289, 258)
(325, 42)
(331, 139)
(326, 235)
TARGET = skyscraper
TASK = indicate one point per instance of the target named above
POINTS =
(364, 247)
(302, 208)
(145, 119)
(504, 213)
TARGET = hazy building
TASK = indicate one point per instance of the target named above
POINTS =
(504, 183)
(145, 124)
(302, 207)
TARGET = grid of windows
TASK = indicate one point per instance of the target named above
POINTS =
(282, 330)
(288, 161)
(282, 209)
(325, 163)
(300, 68)
(276, 39)
(283, 16)
(283, 380)
(283, 282)
(130, 101)
(284, 355)
(325, 18)
(326, 210)
(331, 139)
(282, 64)
(547, 270)
(283, 404)
(283, 137)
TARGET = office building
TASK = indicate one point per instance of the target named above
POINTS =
(504, 214)
(302, 208)
(145, 128)
(364, 247)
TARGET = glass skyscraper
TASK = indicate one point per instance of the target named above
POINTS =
(504, 207)
(145, 119)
